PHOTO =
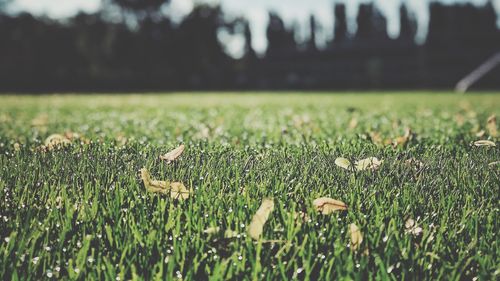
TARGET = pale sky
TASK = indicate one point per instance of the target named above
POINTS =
(292, 11)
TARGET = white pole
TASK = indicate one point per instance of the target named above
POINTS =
(464, 84)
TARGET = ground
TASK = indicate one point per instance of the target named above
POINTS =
(81, 211)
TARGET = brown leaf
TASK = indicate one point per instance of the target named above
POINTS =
(376, 138)
(259, 219)
(491, 125)
(327, 206)
(172, 155)
(370, 163)
(356, 236)
(484, 143)
(401, 141)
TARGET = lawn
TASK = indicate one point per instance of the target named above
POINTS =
(81, 210)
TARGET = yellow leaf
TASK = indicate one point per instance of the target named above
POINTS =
(343, 163)
(179, 191)
(484, 143)
(259, 219)
(17, 147)
(230, 233)
(176, 190)
(327, 206)
(154, 185)
(371, 163)
(492, 125)
(172, 155)
(212, 230)
(356, 236)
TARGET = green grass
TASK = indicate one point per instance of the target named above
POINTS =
(81, 212)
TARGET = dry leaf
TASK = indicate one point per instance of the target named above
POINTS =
(172, 155)
(176, 190)
(56, 141)
(491, 125)
(179, 191)
(259, 219)
(401, 141)
(484, 143)
(480, 134)
(353, 123)
(327, 206)
(494, 163)
(412, 227)
(230, 233)
(212, 230)
(356, 236)
(154, 185)
(412, 162)
(343, 163)
(370, 163)
(40, 121)
(376, 138)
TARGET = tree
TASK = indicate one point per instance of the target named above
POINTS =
(340, 23)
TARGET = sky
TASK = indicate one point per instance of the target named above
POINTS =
(294, 12)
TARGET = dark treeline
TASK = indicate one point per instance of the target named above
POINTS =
(96, 52)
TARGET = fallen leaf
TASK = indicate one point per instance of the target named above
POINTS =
(491, 125)
(56, 141)
(230, 234)
(259, 219)
(376, 138)
(40, 121)
(343, 163)
(212, 230)
(176, 190)
(327, 206)
(353, 123)
(412, 162)
(172, 155)
(484, 143)
(370, 163)
(179, 191)
(401, 141)
(356, 236)
(412, 227)
(481, 134)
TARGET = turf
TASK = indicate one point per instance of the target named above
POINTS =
(82, 212)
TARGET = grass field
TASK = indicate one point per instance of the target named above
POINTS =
(81, 211)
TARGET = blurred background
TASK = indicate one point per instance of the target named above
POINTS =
(161, 45)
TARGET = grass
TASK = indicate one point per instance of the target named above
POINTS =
(82, 212)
